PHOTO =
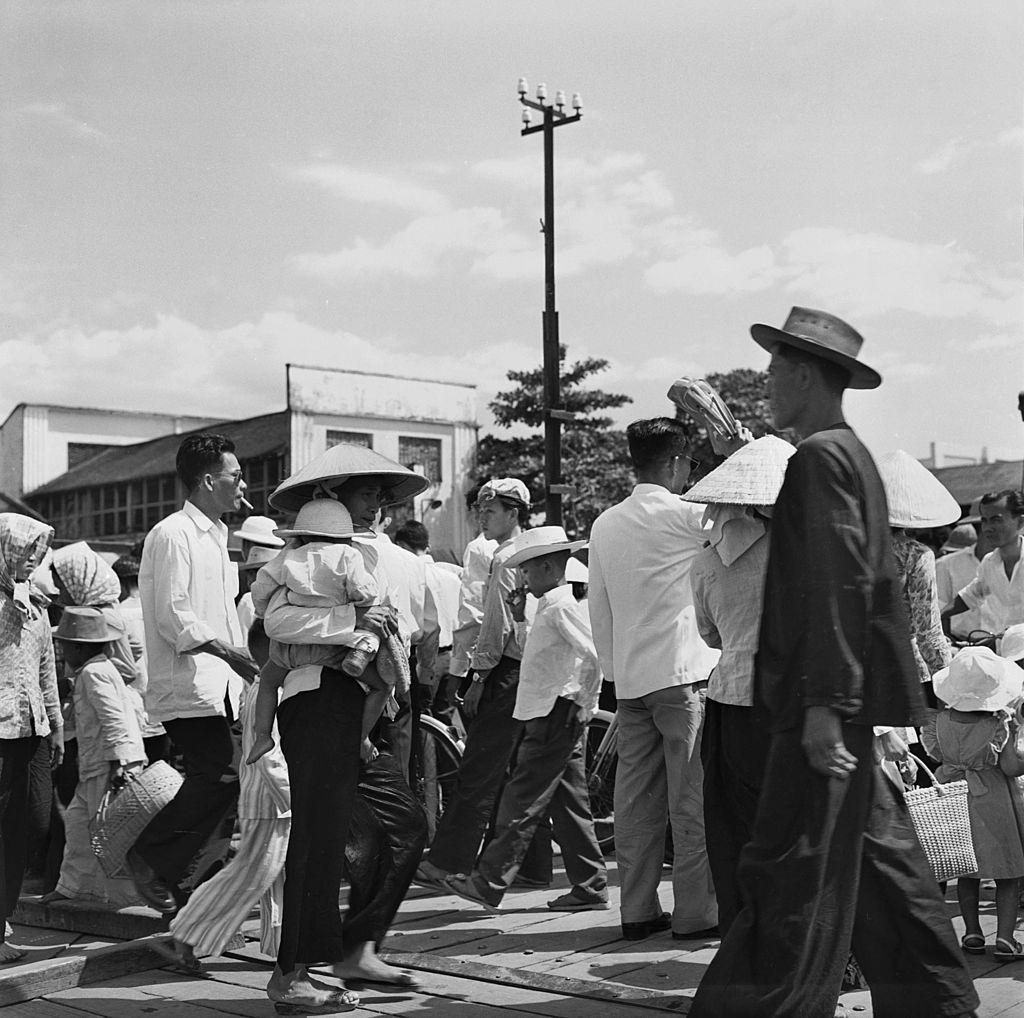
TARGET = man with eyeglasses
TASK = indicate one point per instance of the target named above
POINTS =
(641, 611)
(197, 662)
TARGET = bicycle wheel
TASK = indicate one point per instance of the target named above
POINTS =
(602, 758)
(440, 756)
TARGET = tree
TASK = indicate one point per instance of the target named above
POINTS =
(594, 456)
(745, 392)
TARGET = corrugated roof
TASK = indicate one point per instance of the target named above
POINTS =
(255, 436)
(966, 483)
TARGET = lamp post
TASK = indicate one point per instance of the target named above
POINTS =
(554, 115)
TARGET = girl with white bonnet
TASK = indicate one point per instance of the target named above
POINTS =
(728, 586)
(972, 738)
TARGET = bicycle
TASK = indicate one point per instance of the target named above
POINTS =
(440, 753)
(602, 758)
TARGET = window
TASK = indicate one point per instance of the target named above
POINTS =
(422, 453)
(365, 439)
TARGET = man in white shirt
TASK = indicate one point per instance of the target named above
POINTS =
(196, 660)
(641, 609)
(999, 585)
(954, 569)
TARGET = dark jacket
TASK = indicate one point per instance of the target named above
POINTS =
(834, 631)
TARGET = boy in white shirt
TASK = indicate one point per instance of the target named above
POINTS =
(559, 685)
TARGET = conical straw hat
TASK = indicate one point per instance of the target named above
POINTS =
(751, 476)
(917, 499)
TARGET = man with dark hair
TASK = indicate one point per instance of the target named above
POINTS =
(641, 610)
(833, 861)
(999, 585)
(196, 660)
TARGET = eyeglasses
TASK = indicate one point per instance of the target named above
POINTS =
(682, 456)
(235, 476)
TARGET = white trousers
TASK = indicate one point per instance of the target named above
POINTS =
(218, 907)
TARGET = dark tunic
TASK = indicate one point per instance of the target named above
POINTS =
(834, 632)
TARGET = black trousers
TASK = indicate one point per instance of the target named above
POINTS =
(386, 837)
(321, 731)
(40, 807)
(15, 759)
(549, 774)
(834, 864)
(211, 755)
(733, 750)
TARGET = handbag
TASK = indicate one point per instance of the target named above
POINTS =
(942, 819)
(125, 812)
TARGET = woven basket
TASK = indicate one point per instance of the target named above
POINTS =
(125, 813)
(943, 823)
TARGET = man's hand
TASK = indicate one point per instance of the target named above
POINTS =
(516, 601)
(378, 618)
(823, 743)
(121, 773)
(56, 741)
(240, 661)
(727, 446)
(471, 701)
(584, 715)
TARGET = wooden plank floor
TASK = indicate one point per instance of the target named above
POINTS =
(526, 960)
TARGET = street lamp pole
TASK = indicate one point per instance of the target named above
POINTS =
(554, 115)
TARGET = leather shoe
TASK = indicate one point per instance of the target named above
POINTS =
(711, 933)
(637, 931)
(151, 888)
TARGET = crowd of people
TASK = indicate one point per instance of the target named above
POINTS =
(780, 643)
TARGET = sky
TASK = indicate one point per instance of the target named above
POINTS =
(193, 194)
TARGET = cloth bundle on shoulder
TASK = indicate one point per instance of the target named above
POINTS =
(125, 813)
(943, 823)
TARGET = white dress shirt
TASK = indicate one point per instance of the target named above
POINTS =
(953, 572)
(641, 603)
(476, 568)
(1002, 598)
(188, 586)
(727, 601)
(559, 658)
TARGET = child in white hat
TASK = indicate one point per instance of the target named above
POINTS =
(559, 685)
(971, 737)
(109, 750)
(319, 570)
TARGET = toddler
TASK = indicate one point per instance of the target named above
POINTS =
(321, 569)
(971, 737)
(109, 750)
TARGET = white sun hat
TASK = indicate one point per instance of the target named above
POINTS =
(540, 541)
(917, 499)
(751, 476)
(321, 517)
(259, 530)
(978, 679)
(1012, 643)
(259, 555)
(576, 572)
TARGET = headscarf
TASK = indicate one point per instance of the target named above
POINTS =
(90, 582)
(20, 538)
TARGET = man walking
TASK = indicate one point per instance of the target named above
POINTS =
(641, 610)
(196, 661)
(834, 860)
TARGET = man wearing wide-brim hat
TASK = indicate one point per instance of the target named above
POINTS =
(834, 862)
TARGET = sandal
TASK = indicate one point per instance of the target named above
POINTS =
(1008, 950)
(334, 1002)
(973, 943)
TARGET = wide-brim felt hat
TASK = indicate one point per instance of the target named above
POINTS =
(540, 541)
(752, 475)
(978, 679)
(824, 335)
(339, 464)
(88, 625)
(917, 498)
(962, 536)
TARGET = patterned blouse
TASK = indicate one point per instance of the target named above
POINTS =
(916, 565)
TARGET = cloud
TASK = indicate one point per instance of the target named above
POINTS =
(570, 171)
(986, 342)
(373, 188)
(869, 274)
(957, 150)
(57, 115)
(699, 263)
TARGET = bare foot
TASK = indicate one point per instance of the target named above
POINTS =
(9, 954)
(52, 896)
(363, 966)
(261, 747)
